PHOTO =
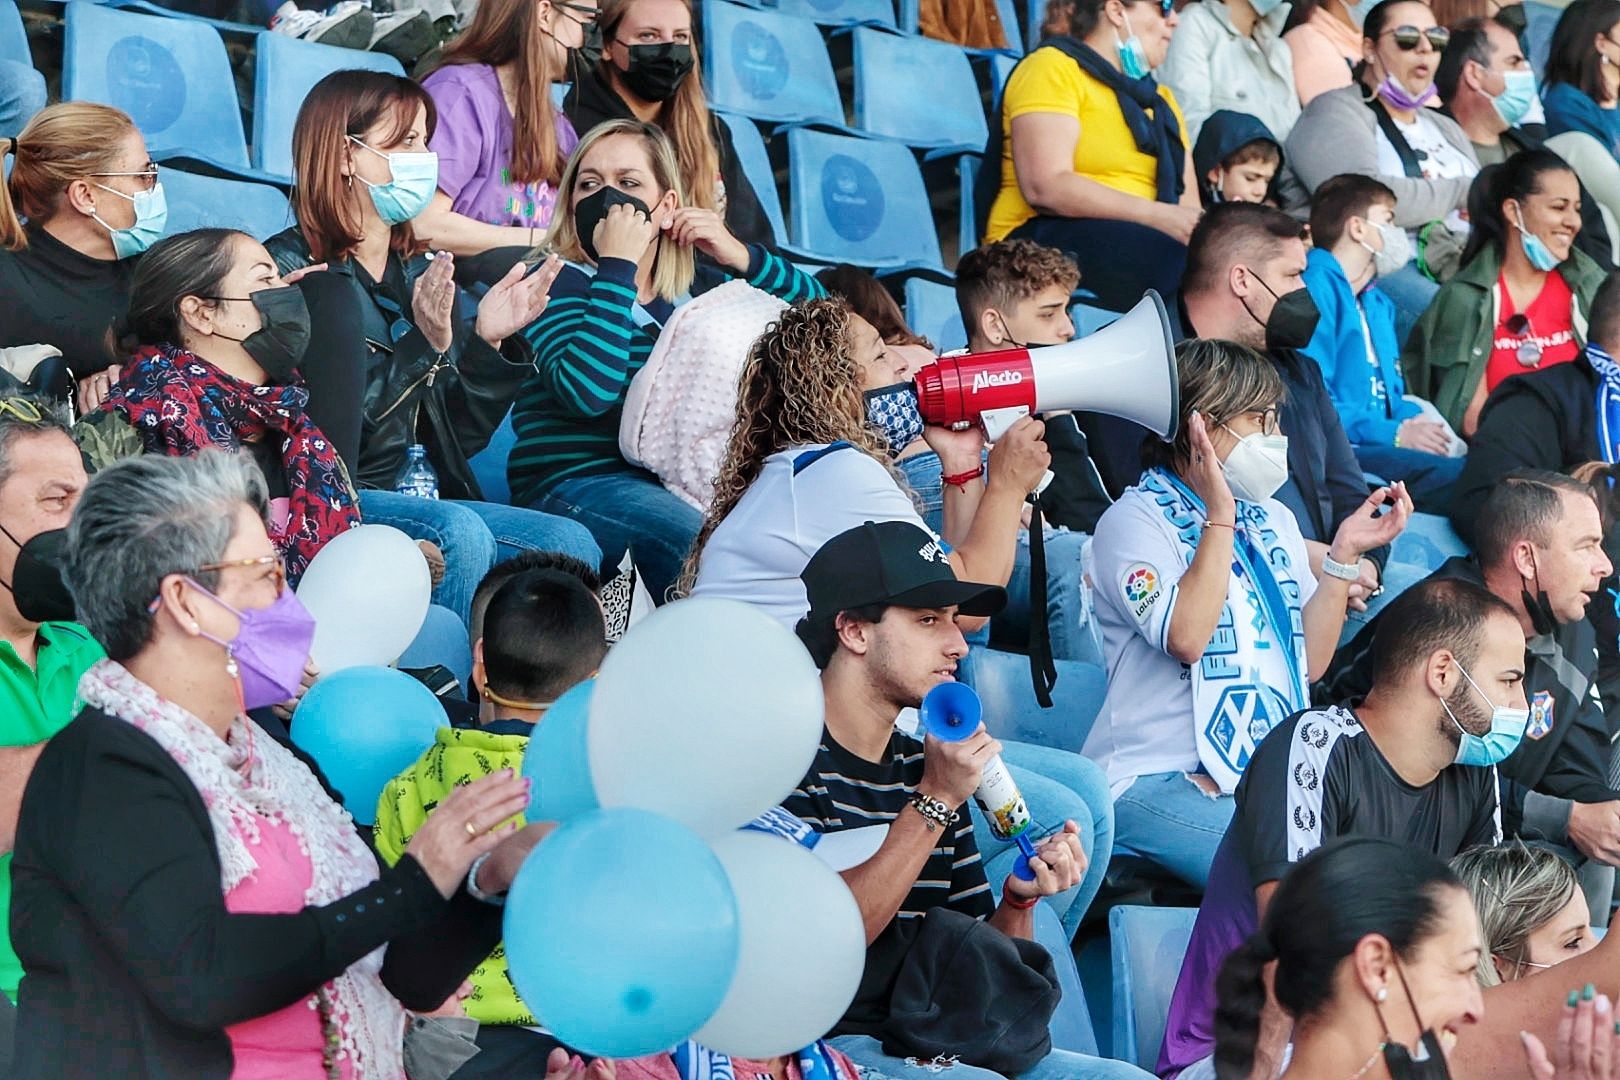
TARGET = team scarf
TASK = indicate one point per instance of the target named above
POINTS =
(695, 1062)
(1252, 675)
(179, 404)
(1608, 401)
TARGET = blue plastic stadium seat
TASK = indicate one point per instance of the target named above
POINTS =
(1540, 19)
(1071, 1023)
(917, 91)
(840, 12)
(756, 166)
(287, 71)
(1001, 69)
(13, 36)
(1148, 946)
(859, 201)
(768, 65)
(1011, 711)
(210, 202)
(442, 642)
(931, 311)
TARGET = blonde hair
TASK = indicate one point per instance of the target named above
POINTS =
(802, 385)
(1516, 890)
(673, 266)
(64, 142)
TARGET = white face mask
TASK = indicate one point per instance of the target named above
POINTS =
(1397, 250)
(1257, 466)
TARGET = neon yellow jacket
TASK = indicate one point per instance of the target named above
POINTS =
(459, 756)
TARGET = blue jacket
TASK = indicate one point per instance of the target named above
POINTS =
(1570, 109)
(1369, 399)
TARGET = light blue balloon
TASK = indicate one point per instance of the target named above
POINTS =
(557, 762)
(364, 726)
(621, 933)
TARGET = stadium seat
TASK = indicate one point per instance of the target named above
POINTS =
(843, 212)
(1004, 8)
(148, 7)
(442, 642)
(1148, 946)
(1540, 19)
(840, 12)
(1001, 68)
(756, 166)
(931, 311)
(171, 76)
(768, 66)
(916, 91)
(210, 202)
(1011, 711)
(13, 36)
(489, 464)
(1071, 1023)
(286, 72)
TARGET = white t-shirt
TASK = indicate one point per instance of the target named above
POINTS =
(1146, 725)
(804, 496)
(1437, 158)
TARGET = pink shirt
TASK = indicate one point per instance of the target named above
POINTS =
(1324, 49)
(286, 1044)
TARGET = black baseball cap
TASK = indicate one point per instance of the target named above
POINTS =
(894, 563)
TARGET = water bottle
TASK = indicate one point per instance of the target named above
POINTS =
(417, 477)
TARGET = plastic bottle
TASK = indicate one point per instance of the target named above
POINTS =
(417, 477)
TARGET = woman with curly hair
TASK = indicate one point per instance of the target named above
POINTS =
(803, 465)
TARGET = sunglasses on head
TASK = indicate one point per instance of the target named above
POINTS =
(1408, 37)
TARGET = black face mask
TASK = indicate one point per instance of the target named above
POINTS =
(657, 71)
(1538, 607)
(278, 344)
(593, 208)
(1430, 1064)
(1514, 18)
(583, 58)
(36, 584)
(1293, 318)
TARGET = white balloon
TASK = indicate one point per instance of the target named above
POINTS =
(708, 712)
(803, 948)
(369, 590)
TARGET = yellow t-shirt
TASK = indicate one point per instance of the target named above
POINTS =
(1048, 81)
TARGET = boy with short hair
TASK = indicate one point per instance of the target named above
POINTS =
(1236, 158)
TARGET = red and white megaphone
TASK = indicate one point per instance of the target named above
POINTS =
(1126, 369)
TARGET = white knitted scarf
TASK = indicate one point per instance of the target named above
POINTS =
(241, 779)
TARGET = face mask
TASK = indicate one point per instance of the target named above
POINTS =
(270, 648)
(1519, 93)
(1293, 318)
(594, 207)
(1397, 250)
(893, 411)
(1358, 11)
(283, 334)
(1132, 57)
(1514, 18)
(36, 584)
(657, 71)
(589, 52)
(414, 177)
(151, 216)
(1006, 332)
(1263, 8)
(1395, 94)
(1257, 466)
(1535, 249)
(1497, 744)
(1430, 1061)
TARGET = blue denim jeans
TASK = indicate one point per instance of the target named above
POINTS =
(1429, 477)
(630, 511)
(1168, 819)
(1412, 293)
(1058, 786)
(474, 536)
(867, 1052)
(22, 94)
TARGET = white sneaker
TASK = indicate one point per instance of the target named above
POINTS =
(347, 24)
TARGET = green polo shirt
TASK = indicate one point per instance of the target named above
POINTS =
(34, 705)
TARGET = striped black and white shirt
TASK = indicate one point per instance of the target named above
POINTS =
(843, 791)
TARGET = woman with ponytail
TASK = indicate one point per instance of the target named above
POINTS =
(1520, 301)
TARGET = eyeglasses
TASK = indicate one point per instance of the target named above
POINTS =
(590, 13)
(1269, 424)
(1408, 37)
(271, 561)
(148, 174)
(22, 409)
(1529, 351)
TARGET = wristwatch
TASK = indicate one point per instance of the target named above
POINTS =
(1343, 571)
(498, 899)
(936, 812)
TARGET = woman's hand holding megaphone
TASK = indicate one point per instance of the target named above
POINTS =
(1204, 474)
(1020, 458)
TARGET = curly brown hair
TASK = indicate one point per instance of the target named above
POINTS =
(999, 275)
(801, 386)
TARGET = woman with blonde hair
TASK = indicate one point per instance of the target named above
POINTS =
(650, 72)
(1531, 909)
(629, 236)
(500, 140)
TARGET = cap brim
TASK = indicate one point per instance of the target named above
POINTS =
(967, 597)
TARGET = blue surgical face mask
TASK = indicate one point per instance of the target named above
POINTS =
(1132, 57)
(151, 217)
(1358, 11)
(1263, 8)
(1535, 249)
(414, 177)
(893, 411)
(1513, 103)
(1497, 744)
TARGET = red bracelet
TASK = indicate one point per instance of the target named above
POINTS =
(1018, 905)
(960, 480)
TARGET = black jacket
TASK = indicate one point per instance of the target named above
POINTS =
(451, 404)
(133, 967)
(55, 296)
(1568, 763)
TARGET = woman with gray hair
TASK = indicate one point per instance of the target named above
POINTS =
(189, 899)
(1531, 909)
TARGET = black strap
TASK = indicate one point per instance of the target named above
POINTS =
(1403, 149)
(1042, 668)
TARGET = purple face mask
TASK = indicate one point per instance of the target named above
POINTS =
(270, 649)
(1395, 94)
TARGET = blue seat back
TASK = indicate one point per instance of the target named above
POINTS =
(859, 201)
(1540, 21)
(13, 36)
(442, 641)
(170, 75)
(840, 12)
(756, 166)
(208, 202)
(916, 90)
(1148, 944)
(1011, 711)
(489, 464)
(1001, 69)
(1071, 1023)
(768, 65)
(932, 312)
(287, 71)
